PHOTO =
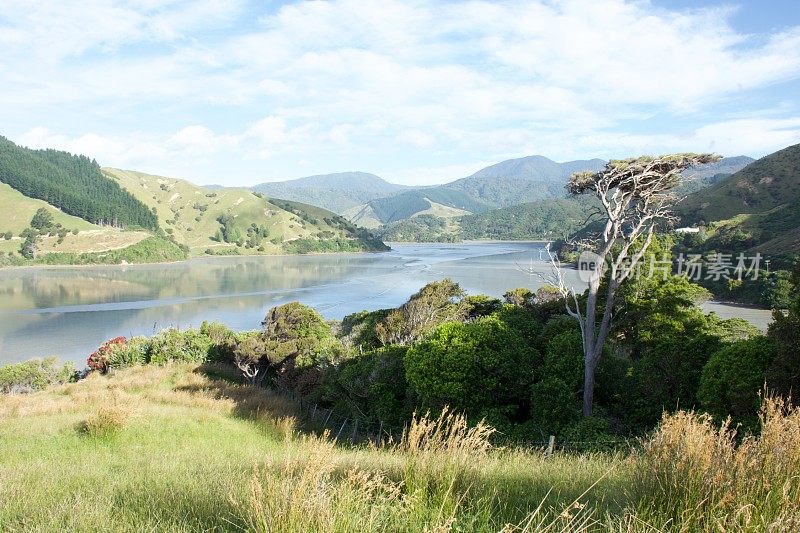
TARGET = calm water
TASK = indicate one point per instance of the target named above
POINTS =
(68, 312)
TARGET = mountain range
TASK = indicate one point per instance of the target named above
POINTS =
(335, 192)
(370, 201)
(503, 184)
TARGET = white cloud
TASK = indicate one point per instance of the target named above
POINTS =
(400, 87)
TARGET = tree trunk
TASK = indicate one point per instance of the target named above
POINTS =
(590, 365)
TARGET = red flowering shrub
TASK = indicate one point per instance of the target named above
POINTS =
(98, 360)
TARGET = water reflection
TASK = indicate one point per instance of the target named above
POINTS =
(69, 311)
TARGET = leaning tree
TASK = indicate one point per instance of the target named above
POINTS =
(635, 196)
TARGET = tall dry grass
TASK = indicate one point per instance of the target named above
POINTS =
(695, 476)
(316, 486)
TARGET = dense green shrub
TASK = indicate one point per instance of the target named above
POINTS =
(173, 345)
(733, 378)
(133, 352)
(556, 396)
(34, 375)
(358, 329)
(471, 367)
(372, 384)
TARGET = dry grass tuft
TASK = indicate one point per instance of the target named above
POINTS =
(106, 422)
(697, 475)
(449, 433)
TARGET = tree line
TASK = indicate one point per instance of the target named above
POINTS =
(74, 184)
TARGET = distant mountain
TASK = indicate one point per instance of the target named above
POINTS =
(437, 201)
(754, 209)
(522, 180)
(704, 176)
(550, 217)
(335, 192)
(507, 183)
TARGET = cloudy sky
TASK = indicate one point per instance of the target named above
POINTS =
(237, 92)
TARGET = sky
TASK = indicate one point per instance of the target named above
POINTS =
(238, 92)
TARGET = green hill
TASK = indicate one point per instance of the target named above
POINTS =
(755, 209)
(73, 184)
(93, 215)
(771, 182)
(545, 219)
(194, 215)
(432, 200)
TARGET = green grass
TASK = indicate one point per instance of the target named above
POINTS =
(18, 209)
(149, 250)
(182, 448)
(190, 213)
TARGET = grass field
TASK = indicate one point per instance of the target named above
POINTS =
(17, 211)
(180, 448)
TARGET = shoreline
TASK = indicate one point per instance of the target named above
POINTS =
(187, 260)
(7, 268)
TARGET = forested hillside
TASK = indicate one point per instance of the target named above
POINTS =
(72, 183)
(545, 219)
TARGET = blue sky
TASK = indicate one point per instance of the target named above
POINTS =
(237, 92)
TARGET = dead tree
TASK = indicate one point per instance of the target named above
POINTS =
(635, 195)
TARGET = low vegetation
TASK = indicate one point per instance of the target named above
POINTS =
(180, 446)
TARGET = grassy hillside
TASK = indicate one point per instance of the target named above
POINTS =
(335, 192)
(191, 214)
(755, 209)
(182, 447)
(766, 184)
(410, 203)
(17, 211)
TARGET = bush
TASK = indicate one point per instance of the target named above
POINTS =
(371, 386)
(133, 352)
(33, 375)
(98, 360)
(172, 345)
(472, 367)
(223, 341)
(591, 433)
(733, 378)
